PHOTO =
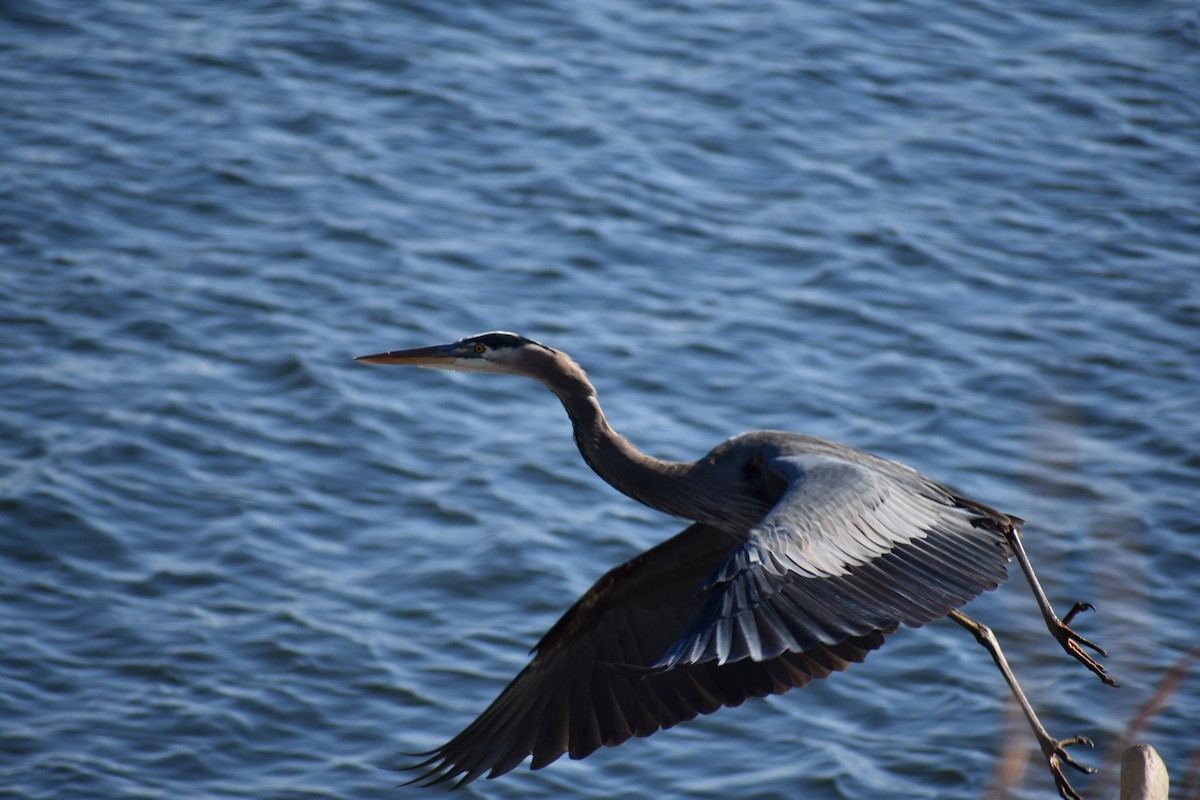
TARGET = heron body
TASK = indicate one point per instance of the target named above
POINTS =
(803, 553)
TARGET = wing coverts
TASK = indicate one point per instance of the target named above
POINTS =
(853, 549)
(850, 548)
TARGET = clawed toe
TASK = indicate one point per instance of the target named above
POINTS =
(1065, 628)
(1056, 753)
(1060, 752)
(1072, 641)
(1075, 609)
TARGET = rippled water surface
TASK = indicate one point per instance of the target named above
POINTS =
(235, 563)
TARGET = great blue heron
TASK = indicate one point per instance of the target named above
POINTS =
(802, 555)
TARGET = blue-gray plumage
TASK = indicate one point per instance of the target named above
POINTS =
(802, 555)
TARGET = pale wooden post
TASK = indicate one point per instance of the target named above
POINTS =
(1143, 774)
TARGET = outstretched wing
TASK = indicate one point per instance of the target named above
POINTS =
(851, 547)
(578, 694)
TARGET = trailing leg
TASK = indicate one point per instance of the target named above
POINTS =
(1055, 750)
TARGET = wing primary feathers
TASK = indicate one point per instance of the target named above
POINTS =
(851, 551)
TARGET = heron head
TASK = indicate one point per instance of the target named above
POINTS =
(496, 351)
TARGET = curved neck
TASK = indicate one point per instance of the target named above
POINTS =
(666, 486)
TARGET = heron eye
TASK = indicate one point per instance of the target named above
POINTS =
(479, 349)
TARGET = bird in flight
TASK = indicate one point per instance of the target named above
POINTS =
(802, 555)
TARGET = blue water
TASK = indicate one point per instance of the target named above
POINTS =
(236, 564)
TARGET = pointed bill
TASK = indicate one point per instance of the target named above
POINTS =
(440, 355)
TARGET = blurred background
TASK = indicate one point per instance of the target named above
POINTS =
(236, 564)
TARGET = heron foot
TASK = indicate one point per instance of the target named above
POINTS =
(1072, 641)
(1057, 755)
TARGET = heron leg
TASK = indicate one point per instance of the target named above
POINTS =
(1060, 629)
(1055, 750)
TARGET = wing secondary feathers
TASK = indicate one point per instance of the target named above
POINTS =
(850, 548)
(570, 699)
(805, 553)
(704, 620)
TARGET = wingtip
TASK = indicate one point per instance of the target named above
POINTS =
(435, 769)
